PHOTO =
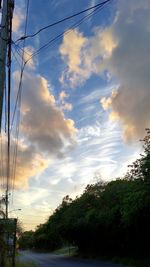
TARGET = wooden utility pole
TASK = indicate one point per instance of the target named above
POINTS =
(4, 31)
(5, 61)
(6, 21)
(5, 45)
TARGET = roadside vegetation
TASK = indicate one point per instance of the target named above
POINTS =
(108, 220)
(25, 264)
(22, 264)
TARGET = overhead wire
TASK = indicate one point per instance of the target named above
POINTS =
(1, 133)
(15, 57)
(75, 25)
(8, 102)
(59, 36)
(100, 6)
(62, 20)
(96, 8)
(8, 180)
(18, 101)
(1, 162)
(20, 48)
(17, 49)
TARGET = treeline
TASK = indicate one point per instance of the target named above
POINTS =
(107, 219)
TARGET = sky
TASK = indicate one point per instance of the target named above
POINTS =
(85, 99)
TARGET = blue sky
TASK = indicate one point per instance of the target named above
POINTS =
(85, 99)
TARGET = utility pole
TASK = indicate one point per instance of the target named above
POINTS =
(3, 52)
(5, 45)
(5, 61)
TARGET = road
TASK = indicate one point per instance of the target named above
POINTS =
(51, 260)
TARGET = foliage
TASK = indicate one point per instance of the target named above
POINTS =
(20, 264)
(19, 228)
(26, 240)
(107, 219)
(140, 169)
(25, 264)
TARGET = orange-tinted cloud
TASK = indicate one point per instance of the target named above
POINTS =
(45, 133)
(123, 50)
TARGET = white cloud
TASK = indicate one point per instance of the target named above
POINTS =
(97, 150)
(18, 18)
(64, 105)
(95, 95)
(62, 96)
(67, 106)
(28, 51)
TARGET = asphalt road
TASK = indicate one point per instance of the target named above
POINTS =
(51, 260)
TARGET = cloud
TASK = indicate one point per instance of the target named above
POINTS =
(18, 19)
(84, 58)
(28, 51)
(97, 150)
(64, 105)
(45, 134)
(123, 50)
(107, 102)
(43, 123)
(62, 96)
(36, 203)
(70, 51)
(129, 63)
(67, 106)
(29, 163)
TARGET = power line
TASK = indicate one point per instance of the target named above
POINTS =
(75, 25)
(100, 6)
(18, 101)
(16, 48)
(18, 98)
(14, 55)
(20, 48)
(5, 95)
(10, 14)
(1, 160)
(62, 20)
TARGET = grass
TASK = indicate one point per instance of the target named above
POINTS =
(23, 264)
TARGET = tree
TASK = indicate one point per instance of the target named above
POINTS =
(26, 240)
(140, 169)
